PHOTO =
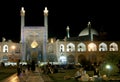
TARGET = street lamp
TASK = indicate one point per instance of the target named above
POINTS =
(108, 67)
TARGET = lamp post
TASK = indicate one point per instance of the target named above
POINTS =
(108, 67)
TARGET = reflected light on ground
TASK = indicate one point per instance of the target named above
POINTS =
(14, 79)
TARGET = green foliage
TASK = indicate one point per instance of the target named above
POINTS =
(112, 60)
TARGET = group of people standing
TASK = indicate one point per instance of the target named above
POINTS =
(49, 68)
(20, 68)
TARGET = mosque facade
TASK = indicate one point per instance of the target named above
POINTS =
(9, 51)
(35, 45)
(87, 47)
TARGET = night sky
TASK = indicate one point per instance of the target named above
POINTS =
(103, 15)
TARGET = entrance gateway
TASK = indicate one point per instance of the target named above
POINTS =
(33, 39)
(35, 43)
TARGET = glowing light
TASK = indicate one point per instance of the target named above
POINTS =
(52, 40)
(13, 47)
(89, 23)
(22, 11)
(34, 44)
(63, 59)
(14, 79)
(68, 28)
(108, 66)
(92, 47)
(46, 11)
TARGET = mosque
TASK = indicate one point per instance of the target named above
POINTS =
(89, 45)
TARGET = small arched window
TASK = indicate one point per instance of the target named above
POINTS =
(5, 48)
(103, 47)
(70, 47)
(81, 47)
(62, 49)
(92, 47)
(113, 47)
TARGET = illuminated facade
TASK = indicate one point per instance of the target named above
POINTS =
(9, 51)
(35, 45)
(33, 39)
(88, 46)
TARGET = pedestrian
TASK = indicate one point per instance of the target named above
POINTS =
(97, 76)
(33, 66)
(18, 68)
(23, 76)
(28, 66)
(96, 72)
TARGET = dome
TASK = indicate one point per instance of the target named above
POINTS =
(85, 32)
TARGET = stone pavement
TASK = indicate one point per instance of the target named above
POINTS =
(25, 77)
(13, 78)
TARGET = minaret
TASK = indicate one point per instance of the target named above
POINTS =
(68, 34)
(46, 21)
(90, 34)
(22, 13)
(46, 34)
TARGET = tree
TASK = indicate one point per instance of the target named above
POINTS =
(112, 60)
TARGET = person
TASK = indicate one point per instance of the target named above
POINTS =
(96, 72)
(97, 75)
(84, 75)
(18, 68)
(48, 68)
(33, 66)
(78, 73)
(83, 71)
(28, 66)
(23, 76)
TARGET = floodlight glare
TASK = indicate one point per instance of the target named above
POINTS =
(108, 66)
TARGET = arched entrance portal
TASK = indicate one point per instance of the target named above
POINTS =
(34, 42)
(71, 59)
(34, 52)
(34, 55)
(92, 58)
(82, 59)
(63, 59)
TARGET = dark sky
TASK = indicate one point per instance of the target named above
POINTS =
(62, 13)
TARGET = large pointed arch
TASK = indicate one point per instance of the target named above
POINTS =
(71, 59)
(82, 59)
